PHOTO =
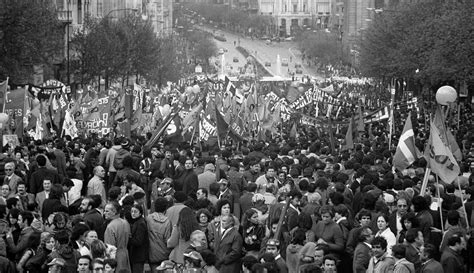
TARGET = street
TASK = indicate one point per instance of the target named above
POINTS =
(265, 53)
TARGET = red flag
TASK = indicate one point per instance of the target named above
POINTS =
(349, 140)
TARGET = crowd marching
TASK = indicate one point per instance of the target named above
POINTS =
(291, 203)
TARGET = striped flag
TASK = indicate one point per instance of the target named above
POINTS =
(406, 152)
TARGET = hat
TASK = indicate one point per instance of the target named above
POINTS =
(57, 261)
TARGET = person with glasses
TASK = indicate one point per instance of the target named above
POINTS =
(395, 217)
(10, 177)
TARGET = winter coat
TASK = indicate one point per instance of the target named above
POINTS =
(117, 234)
(138, 243)
(159, 231)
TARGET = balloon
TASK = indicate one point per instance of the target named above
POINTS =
(3, 118)
(446, 95)
(196, 89)
(301, 88)
(166, 110)
(188, 89)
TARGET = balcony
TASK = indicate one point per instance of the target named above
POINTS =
(65, 16)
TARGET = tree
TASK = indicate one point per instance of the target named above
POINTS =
(30, 34)
(431, 43)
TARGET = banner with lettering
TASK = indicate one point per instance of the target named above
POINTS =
(99, 123)
(206, 129)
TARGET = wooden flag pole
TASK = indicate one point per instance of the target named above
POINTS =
(462, 202)
(439, 204)
(282, 218)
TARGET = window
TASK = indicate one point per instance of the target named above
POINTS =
(295, 8)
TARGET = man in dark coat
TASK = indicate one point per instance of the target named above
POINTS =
(189, 178)
(37, 178)
(92, 216)
(451, 259)
(228, 246)
(362, 251)
(429, 264)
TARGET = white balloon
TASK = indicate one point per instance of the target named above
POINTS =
(196, 89)
(446, 95)
(166, 110)
(3, 118)
(188, 89)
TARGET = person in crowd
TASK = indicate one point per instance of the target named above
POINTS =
(292, 250)
(84, 264)
(414, 240)
(36, 263)
(203, 216)
(25, 240)
(43, 195)
(138, 242)
(252, 232)
(224, 209)
(395, 218)
(228, 246)
(42, 174)
(385, 232)
(428, 262)
(273, 247)
(328, 232)
(424, 217)
(402, 265)
(451, 258)
(117, 234)
(173, 212)
(159, 231)
(92, 216)
(362, 251)
(64, 251)
(408, 221)
(179, 239)
(53, 203)
(329, 264)
(380, 262)
(110, 265)
(96, 183)
(207, 177)
(11, 179)
(225, 192)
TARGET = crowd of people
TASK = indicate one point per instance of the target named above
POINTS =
(116, 205)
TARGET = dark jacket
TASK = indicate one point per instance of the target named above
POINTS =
(190, 182)
(228, 250)
(452, 261)
(432, 266)
(361, 258)
(36, 180)
(51, 206)
(138, 243)
(24, 242)
(70, 255)
(94, 219)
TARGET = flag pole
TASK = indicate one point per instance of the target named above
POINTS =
(425, 180)
(391, 121)
(462, 202)
(5, 95)
(439, 204)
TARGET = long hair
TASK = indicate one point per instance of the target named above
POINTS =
(187, 223)
(246, 219)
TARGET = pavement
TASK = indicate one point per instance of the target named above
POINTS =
(264, 51)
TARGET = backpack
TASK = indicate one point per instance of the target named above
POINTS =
(118, 159)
